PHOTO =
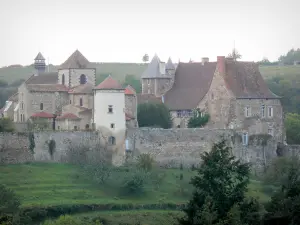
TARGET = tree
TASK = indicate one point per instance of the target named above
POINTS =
(6, 125)
(9, 205)
(235, 54)
(198, 120)
(154, 115)
(292, 124)
(291, 56)
(134, 82)
(220, 188)
(145, 58)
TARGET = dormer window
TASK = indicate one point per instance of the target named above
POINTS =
(83, 79)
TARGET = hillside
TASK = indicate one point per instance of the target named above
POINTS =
(120, 70)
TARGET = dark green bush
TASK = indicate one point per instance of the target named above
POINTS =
(134, 183)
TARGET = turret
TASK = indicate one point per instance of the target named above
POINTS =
(39, 63)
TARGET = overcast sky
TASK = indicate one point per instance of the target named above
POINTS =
(124, 30)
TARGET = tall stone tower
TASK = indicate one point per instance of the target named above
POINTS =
(39, 63)
(157, 78)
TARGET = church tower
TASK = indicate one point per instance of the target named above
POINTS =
(39, 63)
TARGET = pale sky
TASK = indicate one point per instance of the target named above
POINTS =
(124, 30)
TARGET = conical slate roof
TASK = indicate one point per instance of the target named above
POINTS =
(108, 84)
(39, 57)
(170, 65)
(75, 61)
(153, 70)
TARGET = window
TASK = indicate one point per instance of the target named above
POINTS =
(270, 131)
(270, 111)
(247, 111)
(75, 127)
(245, 138)
(110, 109)
(70, 102)
(111, 140)
(83, 79)
(148, 81)
(81, 102)
(21, 117)
(22, 105)
(87, 126)
(262, 111)
(63, 79)
(112, 125)
(41, 106)
(179, 113)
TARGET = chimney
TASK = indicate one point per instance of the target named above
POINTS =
(205, 60)
(221, 64)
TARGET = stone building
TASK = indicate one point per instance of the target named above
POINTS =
(233, 93)
(68, 95)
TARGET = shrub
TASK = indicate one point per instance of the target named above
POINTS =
(51, 147)
(100, 173)
(198, 120)
(134, 183)
(145, 162)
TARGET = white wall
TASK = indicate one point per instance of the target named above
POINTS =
(104, 98)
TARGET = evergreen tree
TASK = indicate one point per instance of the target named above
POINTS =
(221, 184)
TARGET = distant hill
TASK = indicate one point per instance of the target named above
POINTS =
(117, 70)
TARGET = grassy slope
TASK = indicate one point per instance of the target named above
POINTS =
(119, 71)
(57, 184)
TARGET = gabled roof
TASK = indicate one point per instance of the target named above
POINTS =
(82, 89)
(153, 69)
(170, 65)
(109, 84)
(42, 115)
(129, 90)
(14, 97)
(47, 87)
(192, 81)
(43, 78)
(69, 116)
(75, 61)
(245, 80)
(39, 57)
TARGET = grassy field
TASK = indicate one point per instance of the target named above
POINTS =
(120, 70)
(58, 184)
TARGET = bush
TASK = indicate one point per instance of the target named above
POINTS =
(68, 220)
(6, 125)
(134, 183)
(100, 173)
(198, 120)
(145, 162)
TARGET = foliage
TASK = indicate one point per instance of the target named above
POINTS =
(100, 172)
(51, 147)
(6, 125)
(220, 185)
(134, 183)
(134, 82)
(235, 54)
(145, 58)
(266, 62)
(145, 162)
(292, 125)
(9, 205)
(198, 120)
(291, 56)
(69, 220)
(154, 115)
(38, 124)
(31, 142)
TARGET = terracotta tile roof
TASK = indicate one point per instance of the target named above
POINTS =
(75, 61)
(14, 97)
(245, 80)
(69, 116)
(192, 81)
(39, 57)
(148, 98)
(109, 83)
(42, 115)
(82, 89)
(43, 78)
(129, 90)
(47, 87)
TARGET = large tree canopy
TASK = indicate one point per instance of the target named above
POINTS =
(154, 115)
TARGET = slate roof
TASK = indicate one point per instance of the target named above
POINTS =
(192, 81)
(47, 87)
(39, 57)
(82, 89)
(245, 80)
(170, 65)
(42, 115)
(69, 116)
(153, 70)
(147, 98)
(109, 84)
(43, 78)
(75, 61)
(14, 97)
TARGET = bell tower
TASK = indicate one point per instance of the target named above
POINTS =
(39, 63)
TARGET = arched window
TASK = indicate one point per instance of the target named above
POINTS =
(63, 79)
(83, 79)
(111, 140)
(41, 106)
(87, 126)
(81, 102)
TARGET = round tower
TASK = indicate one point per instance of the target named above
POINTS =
(39, 63)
